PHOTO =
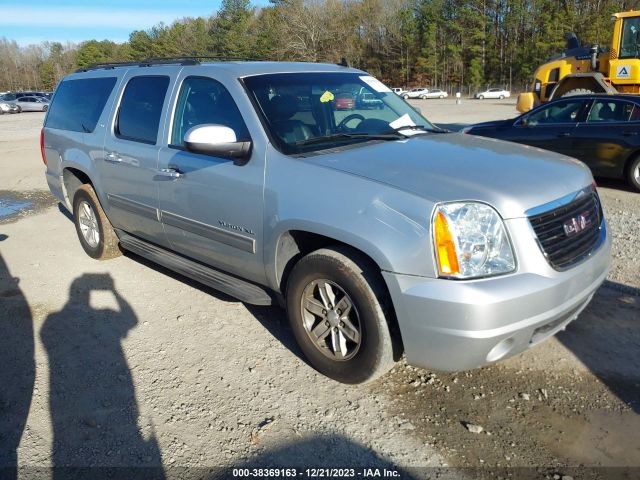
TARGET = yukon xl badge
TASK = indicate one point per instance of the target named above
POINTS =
(237, 228)
(577, 224)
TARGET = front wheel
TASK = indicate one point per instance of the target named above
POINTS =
(480, 97)
(501, 97)
(633, 173)
(423, 97)
(45, 108)
(406, 97)
(339, 309)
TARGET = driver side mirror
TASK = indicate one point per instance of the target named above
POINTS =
(217, 141)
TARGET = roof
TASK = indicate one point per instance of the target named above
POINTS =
(237, 67)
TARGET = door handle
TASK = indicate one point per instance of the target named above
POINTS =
(564, 134)
(170, 172)
(112, 157)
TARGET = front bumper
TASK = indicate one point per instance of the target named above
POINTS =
(459, 325)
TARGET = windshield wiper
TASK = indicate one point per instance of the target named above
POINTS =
(392, 135)
(423, 128)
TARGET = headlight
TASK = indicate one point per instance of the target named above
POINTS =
(470, 241)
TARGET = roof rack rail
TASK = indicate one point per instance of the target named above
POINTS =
(150, 62)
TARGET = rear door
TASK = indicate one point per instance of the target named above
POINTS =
(609, 135)
(551, 127)
(128, 165)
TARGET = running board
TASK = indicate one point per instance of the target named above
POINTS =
(233, 286)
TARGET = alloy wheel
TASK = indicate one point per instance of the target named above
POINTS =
(331, 320)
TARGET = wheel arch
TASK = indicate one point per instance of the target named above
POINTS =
(593, 81)
(293, 245)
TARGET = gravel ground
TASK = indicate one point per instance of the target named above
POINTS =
(122, 363)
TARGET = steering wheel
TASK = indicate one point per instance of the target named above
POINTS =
(342, 126)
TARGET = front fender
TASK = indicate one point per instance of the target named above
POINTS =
(391, 226)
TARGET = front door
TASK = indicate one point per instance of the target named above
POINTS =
(128, 167)
(610, 134)
(213, 212)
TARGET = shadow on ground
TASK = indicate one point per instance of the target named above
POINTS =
(17, 367)
(94, 412)
(606, 339)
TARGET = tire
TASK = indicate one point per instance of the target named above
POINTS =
(406, 97)
(441, 96)
(423, 97)
(45, 108)
(501, 97)
(480, 97)
(345, 357)
(577, 91)
(99, 240)
(633, 173)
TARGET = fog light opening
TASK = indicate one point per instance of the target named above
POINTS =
(501, 349)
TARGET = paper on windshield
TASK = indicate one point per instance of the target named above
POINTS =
(403, 121)
(376, 84)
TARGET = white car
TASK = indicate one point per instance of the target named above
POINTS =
(31, 104)
(398, 91)
(493, 93)
(436, 93)
(415, 93)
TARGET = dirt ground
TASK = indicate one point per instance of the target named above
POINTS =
(124, 364)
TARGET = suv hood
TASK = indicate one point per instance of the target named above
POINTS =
(449, 167)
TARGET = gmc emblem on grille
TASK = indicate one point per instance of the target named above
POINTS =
(576, 224)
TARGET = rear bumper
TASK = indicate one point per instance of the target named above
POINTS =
(459, 325)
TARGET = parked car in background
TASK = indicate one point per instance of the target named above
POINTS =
(398, 90)
(493, 93)
(603, 132)
(6, 107)
(32, 104)
(436, 93)
(345, 101)
(416, 93)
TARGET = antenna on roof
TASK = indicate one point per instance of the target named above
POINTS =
(343, 62)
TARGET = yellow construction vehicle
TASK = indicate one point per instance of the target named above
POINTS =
(579, 70)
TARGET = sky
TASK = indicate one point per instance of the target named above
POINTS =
(33, 21)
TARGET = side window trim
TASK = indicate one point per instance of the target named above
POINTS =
(116, 114)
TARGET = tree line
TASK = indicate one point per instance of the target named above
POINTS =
(450, 44)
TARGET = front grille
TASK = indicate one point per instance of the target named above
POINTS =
(569, 233)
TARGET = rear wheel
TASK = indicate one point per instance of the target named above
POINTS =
(338, 309)
(633, 173)
(423, 97)
(96, 235)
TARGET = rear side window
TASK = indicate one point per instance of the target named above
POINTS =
(141, 108)
(78, 104)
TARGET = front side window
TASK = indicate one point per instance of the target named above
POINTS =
(630, 45)
(205, 101)
(312, 111)
(141, 108)
(568, 111)
(604, 111)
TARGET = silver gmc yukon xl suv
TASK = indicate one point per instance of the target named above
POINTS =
(380, 233)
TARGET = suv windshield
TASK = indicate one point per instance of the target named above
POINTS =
(313, 111)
